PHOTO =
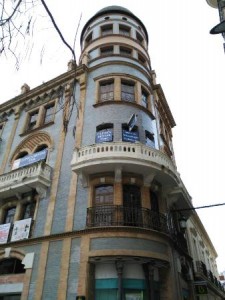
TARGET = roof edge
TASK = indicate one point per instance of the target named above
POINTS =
(114, 10)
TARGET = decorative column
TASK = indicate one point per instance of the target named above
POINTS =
(149, 275)
(119, 269)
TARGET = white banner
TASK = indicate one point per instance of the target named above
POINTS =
(4, 233)
(21, 230)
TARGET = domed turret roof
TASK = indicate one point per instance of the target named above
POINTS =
(113, 9)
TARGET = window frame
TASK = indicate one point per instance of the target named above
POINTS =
(1, 129)
(109, 97)
(104, 195)
(149, 135)
(139, 38)
(9, 218)
(52, 106)
(30, 125)
(126, 51)
(124, 30)
(40, 111)
(145, 103)
(89, 39)
(104, 52)
(142, 59)
(124, 93)
(107, 29)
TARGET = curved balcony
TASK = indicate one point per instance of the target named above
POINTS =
(117, 215)
(130, 157)
(35, 176)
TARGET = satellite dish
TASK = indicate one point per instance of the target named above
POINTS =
(219, 28)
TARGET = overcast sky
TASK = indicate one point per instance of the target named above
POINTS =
(189, 63)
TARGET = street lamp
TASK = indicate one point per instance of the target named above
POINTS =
(183, 223)
(219, 28)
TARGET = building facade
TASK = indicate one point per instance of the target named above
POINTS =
(91, 202)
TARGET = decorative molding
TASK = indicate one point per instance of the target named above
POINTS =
(30, 143)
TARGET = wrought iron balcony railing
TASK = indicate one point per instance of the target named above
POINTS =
(116, 215)
(207, 274)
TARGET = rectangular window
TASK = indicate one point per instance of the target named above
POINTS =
(124, 30)
(28, 210)
(106, 50)
(144, 98)
(139, 37)
(9, 215)
(125, 51)
(1, 130)
(149, 138)
(127, 92)
(106, 91)
(141, 59)
(49, 113)
(32, 120)
(107, 29)
(88, 39)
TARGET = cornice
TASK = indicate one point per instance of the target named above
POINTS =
(41, 89)
(80, 233)
(200, 227)
(164, 103)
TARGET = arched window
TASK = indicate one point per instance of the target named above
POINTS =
(22, 154)
(11, 266)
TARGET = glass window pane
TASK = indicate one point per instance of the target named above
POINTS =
(49, 113)
(107, 91)
(9, 215)
(127, 92)
(104, 194)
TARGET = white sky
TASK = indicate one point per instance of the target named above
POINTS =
(189, 63)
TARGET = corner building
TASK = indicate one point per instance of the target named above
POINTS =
(90, 197)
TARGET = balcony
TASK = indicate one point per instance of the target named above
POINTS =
(131, 157)
(117, 215)
(202, 273)
(35, 176)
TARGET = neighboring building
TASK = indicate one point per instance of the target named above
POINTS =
(206, 277)
(91, 202)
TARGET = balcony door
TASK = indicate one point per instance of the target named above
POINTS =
(103, 210)
(132, 205)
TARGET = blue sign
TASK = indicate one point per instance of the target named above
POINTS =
(30, 159)
(130, 136)
(104, 136)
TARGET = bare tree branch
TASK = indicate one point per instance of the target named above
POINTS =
(57, 29)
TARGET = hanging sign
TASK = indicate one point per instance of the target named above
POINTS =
(130, 136)
(21, 230)
(201, 288)
(30, 159)
(104, 136)
(4, 233)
